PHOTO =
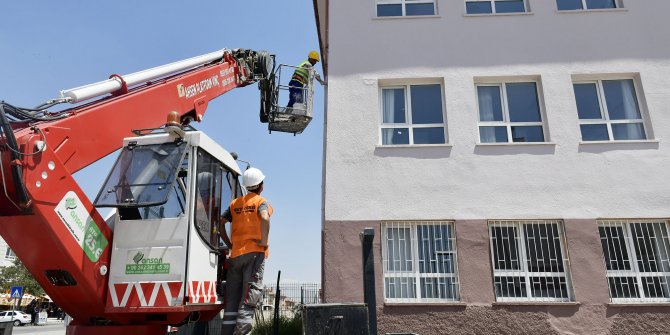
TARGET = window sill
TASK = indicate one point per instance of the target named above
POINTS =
(381, 146)
(414, 304)
(616, 142)
(536, 303)
(406, 17)
(497, 14)
(640, 304)
(575, 11)
(514, 144)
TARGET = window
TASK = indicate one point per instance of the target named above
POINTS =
(412, 114)
(617, 119)
(637, 259)
(142, 176)
(586, 4)
(405, 7)
(529, 260)
(509, 112)
(9, 254)
(495, 6)
(215, 185)
(419, 261)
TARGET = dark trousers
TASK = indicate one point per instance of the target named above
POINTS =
(295, 91)
(244, 292)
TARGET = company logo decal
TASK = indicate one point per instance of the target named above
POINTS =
(79, 223)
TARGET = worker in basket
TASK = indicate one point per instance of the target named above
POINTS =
(301, 77)
(249, 216)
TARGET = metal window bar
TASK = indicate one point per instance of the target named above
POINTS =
(636, 255)
(529, 261)
(419, 259)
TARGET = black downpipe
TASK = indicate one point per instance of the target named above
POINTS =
(369, 295)
(17, 172)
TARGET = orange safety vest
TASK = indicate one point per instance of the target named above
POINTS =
(246, 226)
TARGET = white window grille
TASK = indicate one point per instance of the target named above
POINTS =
(405, 7)
(530, 261)
(10, 255)
(419, 261)
(509, 112)
(412, 115)
(587, 4)
(609, 110)
(637, 259)
(495, 6)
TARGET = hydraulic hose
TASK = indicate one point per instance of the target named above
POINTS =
(17, 172)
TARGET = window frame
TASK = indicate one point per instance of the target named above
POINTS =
(403, 4)
(415, 273)
(618, 4)
(604, 111)
(502, 85)
(633, 260)
(523, 262)
(526, 8)
(408, 115)
(9, 254)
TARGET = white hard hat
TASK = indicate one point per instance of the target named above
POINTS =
(252, 177)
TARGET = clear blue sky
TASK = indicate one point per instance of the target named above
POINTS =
(48, 46)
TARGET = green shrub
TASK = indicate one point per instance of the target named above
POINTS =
(288, 325)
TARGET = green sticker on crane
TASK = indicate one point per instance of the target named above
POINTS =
(94, 242)
(82, 227)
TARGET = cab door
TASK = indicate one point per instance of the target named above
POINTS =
(215, 186)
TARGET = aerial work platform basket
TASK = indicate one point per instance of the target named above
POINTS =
(289, 110)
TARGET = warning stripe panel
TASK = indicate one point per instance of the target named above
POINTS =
(144, 294)
(202, 292)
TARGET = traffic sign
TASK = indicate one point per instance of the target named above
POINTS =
(16, 292)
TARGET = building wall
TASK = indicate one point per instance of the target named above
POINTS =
(365, 183)
(3, 252)
(464, 180)
(478, 312)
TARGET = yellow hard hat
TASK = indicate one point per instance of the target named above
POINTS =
(314, 55)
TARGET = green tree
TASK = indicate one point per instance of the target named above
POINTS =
(17, 275)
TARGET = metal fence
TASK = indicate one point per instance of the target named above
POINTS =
(291, 296)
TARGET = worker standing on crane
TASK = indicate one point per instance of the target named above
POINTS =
(249, 216)
(301, 77)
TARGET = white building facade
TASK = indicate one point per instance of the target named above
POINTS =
(7, 256)
(512, 157)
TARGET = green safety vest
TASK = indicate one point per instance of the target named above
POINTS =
(301, 73)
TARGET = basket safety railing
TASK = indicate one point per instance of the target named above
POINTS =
(294, 115)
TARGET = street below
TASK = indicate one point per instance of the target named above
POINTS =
(53, 327)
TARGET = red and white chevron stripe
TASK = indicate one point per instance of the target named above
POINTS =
(202, 292)
(144, 294)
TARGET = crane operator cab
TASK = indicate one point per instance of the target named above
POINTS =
(169, 191)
